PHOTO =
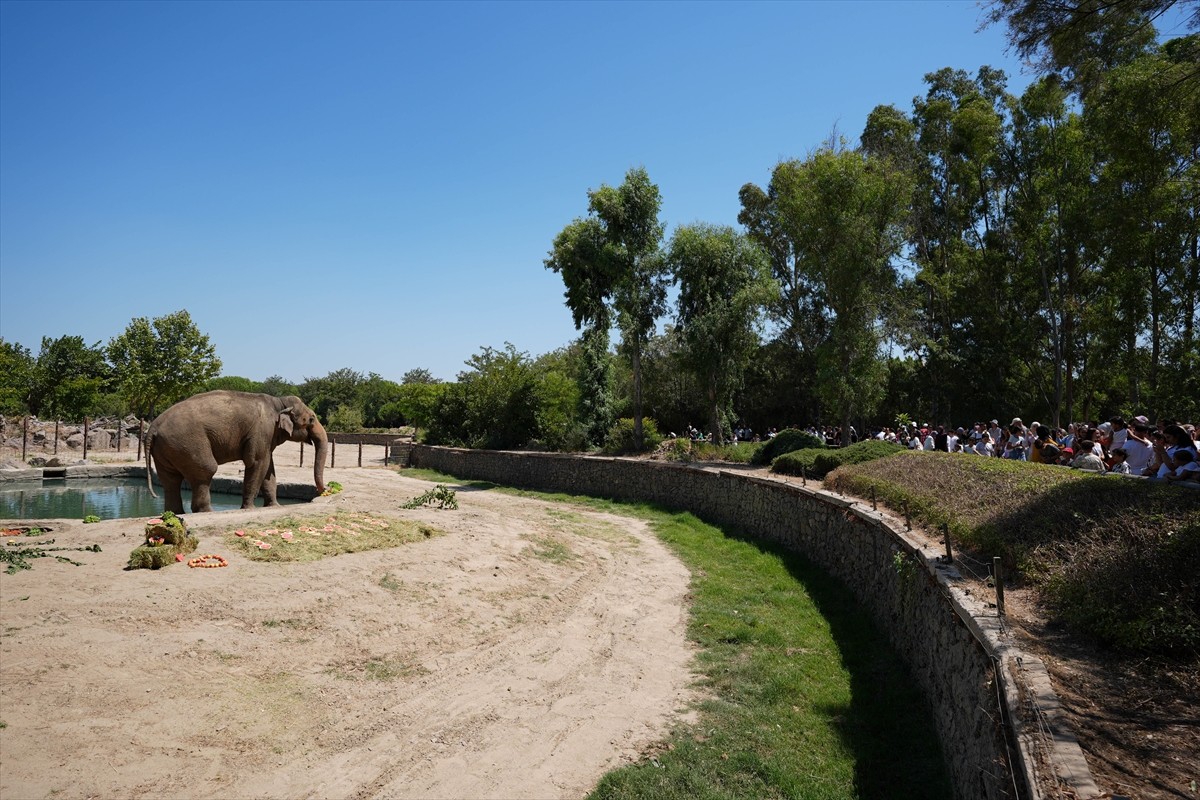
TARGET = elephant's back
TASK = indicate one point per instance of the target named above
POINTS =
(218, 410)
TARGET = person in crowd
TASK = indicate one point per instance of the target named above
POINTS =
(940, 441)
(1047, 449)
(1120, 433)
(983, 445)
(1086, 460)
(998, 436)
(1068, 439)
(1174, 440)
(1067, 456)
(1014, 445)
(1188, 468)
(1138, 449)
(1120, 462)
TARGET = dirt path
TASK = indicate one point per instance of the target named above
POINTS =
(523, 654)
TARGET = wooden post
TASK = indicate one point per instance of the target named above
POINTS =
(85, 438)
(907, 519)
(998, 576)
(386, 449)
(360, 452)
(874, 507)
(332, 452)
(141, 436)
(302, 454)
(803, 476)
(119, 424)
(24, 435)
(56, 424)
(946, 538)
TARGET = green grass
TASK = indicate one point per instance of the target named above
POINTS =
(805, 697)
(1115, 559)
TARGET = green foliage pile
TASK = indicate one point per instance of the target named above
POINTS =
(16, 554)
(439, 496)
(819, 463)
(166, 538)
(620, 437)
(787, 441)
(1114, 558)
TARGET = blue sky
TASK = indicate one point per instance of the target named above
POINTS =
(376, 185)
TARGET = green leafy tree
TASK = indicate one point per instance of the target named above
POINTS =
(374, 394)
(276, 386)
(346, 419)
(1083, 39)
(69, 378)
(418, 375)
(162, 361)
(341, 387)
(612, 266)
(415, 404)
(724, 283)
(844, 210)
(493, 405)
(233, 383)
(16, 377)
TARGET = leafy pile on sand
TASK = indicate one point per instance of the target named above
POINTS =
(312, 538)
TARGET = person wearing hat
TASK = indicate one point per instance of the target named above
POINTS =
(997, 434)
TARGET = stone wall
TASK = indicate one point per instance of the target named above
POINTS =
(951, 650)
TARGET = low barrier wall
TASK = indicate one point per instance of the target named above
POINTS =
(975, 681)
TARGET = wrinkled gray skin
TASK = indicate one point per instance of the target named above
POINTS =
(189, 440)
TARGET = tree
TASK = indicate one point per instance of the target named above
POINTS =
(340, 387)
(612, 266)
(416, 403)
(1082, 39)
(418, 375)
(16, 377)
(233, 383)
(69, 378)
(724, 282)
(161, 362)
(493, 404)
(276, 386)
(844, 211)
(374, 394)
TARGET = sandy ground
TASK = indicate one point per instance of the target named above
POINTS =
(463, 666)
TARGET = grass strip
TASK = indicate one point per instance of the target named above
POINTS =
(804, 697)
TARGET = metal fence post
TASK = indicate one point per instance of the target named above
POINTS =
(85, 437)
(24, 435)
(998, 576)
(56, 424)
(302, 454)
(946, 538)
(360, 452)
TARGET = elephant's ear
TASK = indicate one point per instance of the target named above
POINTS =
(285, 423)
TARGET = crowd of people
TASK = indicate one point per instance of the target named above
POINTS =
(1166, 450)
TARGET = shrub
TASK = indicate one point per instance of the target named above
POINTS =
(620, 436)
(787, 441)
(345, 419)
(819, 463)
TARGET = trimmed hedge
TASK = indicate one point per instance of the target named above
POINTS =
(787, 441)
(819, 463)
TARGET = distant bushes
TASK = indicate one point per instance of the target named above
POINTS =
(620, 437)
(818, 463)
(786, 441)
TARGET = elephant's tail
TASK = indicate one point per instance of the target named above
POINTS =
(148, 442)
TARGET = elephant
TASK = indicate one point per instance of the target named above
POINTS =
(189, 440)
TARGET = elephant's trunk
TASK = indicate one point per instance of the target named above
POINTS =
(320, 440)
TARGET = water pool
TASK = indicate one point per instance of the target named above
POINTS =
(107, 498)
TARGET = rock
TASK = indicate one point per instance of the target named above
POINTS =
(55, 462)
(37, 461)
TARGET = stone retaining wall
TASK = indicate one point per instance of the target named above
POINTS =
(988, 712)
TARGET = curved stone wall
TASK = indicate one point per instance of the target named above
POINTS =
(954, 646)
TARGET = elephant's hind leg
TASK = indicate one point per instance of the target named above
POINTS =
(172, 483)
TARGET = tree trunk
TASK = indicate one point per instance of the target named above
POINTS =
(636, 359)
